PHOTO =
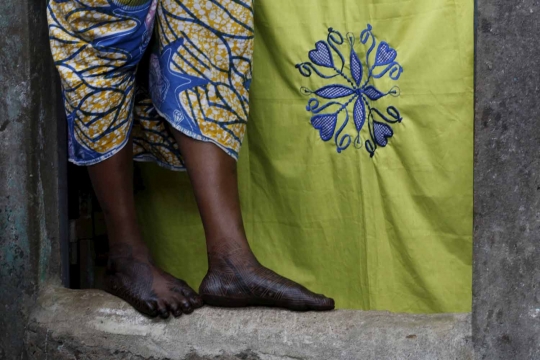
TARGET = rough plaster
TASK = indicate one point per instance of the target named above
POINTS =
(29, 168)
(506, 324)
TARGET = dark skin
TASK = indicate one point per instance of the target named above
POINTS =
(235, 278)
(131, 274)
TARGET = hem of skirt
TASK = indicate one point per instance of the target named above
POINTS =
(153, 159)
(195, 136)
(102, 157)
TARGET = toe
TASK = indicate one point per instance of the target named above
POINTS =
(322, 303)
(185, 304)
(150, 308)
(196, 301)
(162, 310)
(174, 308)
(329, 304)
(188, 292)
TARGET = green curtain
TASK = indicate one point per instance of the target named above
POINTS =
(376, 227)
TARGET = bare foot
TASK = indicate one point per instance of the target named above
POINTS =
(133, 277)
(237, 279)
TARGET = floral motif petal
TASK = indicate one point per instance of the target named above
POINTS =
(326, 124)
(372, 93)
(359, 113)
(385, 54)
(334, 91)
(322, 55)
(382, 133)
(356, 67)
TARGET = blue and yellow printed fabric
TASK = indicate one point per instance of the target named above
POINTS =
(197, 77)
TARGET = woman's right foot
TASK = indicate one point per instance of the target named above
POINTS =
(240, 280)
(132, 276)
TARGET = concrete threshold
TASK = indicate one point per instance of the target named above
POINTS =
(91, 324)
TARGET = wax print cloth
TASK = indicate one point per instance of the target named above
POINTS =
(196, 79)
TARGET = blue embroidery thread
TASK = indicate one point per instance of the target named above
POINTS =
(357, 90)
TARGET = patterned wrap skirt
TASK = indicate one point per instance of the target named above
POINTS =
(195, 76)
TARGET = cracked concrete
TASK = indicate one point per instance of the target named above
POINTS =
(70, 324)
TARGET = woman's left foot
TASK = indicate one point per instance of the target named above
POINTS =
(240, 280)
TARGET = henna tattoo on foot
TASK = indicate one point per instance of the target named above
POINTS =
(236, 279)
(150, 290)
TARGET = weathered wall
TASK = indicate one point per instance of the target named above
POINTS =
(506, 320)
(29, 160)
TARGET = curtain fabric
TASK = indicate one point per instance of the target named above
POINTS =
(356, 174)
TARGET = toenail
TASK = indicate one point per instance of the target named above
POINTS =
(164, 315)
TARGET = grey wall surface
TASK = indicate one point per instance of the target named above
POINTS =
(506, 318)
(29, 158)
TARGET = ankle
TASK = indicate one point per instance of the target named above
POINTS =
(129, 250)
(238, 258)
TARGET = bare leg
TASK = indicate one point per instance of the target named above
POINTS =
(131, 274)
(235, 277)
